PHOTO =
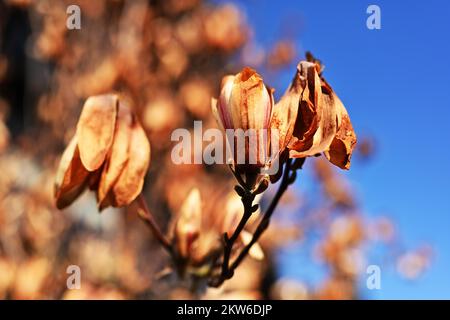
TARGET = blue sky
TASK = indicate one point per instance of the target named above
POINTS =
(395, 83)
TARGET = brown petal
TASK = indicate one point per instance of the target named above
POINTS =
(251, 102)
(316, 123)
(189, 222)
(118, 156)
(71, 177)
(95, 129)
(130, 182)
(285, 113)
(341, 147)
(215, 112)
(223, 106)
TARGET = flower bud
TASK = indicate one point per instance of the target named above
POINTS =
(244, 111)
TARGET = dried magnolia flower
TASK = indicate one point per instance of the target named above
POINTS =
(311, 119)
(197, 233)
(244, 102)
(187, 227)
(245, 106)
(109, 153)
(196, 245)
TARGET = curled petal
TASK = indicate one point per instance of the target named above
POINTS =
(95, 129)
(285, 113)
(130, 182)
(118, 156)
(323, 124)
(71, 177)
(315, 126)
(341, 147)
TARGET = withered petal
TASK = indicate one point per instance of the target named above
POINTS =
(223, 106)
(130, 182)
(215, 112)
(342, 146)
(189, 222)
(250, 101)
(318, 110)
(191, 211)
(118, 155)
(310, 109)
(95, 129)
(71, 177)
(285, 113)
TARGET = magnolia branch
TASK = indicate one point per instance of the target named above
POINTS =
(144, 213)
(289, 177)
(247, 198)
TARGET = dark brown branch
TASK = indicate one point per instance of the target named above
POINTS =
(247, 197)
(289, 177)
(144, 213)
(247, 201)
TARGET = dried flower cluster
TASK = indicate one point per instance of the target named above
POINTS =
(113, 157)
(109, 153)
(166, 59)
(309, 119)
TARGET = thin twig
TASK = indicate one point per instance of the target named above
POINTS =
(247, 201)
(289, 177)
(144, 213)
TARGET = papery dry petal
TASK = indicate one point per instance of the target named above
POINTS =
(215, 112)
(188, 225)
(130, 182)
(341, 147)
(118, 156)
(251, 102)
(95, 129)
(285, 113)
(316, 123)
(223, 105)
(71, 177)
(309, 114)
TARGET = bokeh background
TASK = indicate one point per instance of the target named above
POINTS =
(391, 208)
